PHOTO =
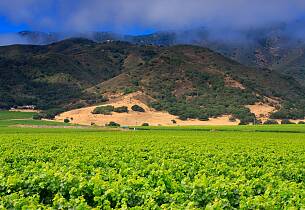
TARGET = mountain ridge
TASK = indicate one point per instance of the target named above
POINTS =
(187, 81)
(274, 47)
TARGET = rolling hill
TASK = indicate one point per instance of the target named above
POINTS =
(276, 47)
(187, 81)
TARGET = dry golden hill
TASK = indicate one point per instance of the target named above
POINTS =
(84, 116)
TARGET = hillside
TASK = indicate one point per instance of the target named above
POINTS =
(86, 115)
(274, 47)
(187, 81)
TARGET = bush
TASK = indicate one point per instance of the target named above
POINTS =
(242, 122)
(156, 105)
(113, 124)
(66, 120)
(183, 117)
(48, 114)
(301, 122)
(232, 119)
(121, 109)
(4, 106)
(137, 108)
(105, 110)
(270, 122)
(37, 116)
(145, 124)
(203, 118)
(128, 90)
(258, 122)
(174, 121)
(286, 121)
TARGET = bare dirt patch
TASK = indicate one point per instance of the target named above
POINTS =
(84, 116)
(229, 82)
(262, 110)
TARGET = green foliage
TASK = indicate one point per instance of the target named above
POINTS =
(113, 124)
(121, 109)
(66, 120)
(286, 121)
(56, 76)
(290, 111)
(270, 122)
(49, 114)
(181, 169)
(129, 90)
(145, 124)
(137, 108)
(203, 117)
(37, 116)
(105, 110)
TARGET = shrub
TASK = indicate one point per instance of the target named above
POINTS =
(121, 109)
(301, 122)
(203, 118)
(145, 124)
(156, 105)
(270, 122)
(37, 116)
(174, 121)
(47, 114)
(113, 124)
(4, 106)
(232, 119)
(183, 117)
(137, 108)
(242, 122)
(105, 110)
(128, 90)
(66, 120)
(286, 121)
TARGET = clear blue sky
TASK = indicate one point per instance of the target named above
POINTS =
(6, 26)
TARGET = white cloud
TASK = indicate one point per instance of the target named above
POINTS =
(80, 15)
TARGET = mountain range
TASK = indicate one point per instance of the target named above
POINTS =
(186, 80)
(276, 47)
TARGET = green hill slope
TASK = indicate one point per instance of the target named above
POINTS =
(188, 81)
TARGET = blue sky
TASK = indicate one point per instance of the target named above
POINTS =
(6, 26)
(144, 16)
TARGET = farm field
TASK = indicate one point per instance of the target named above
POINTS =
(8, 115)
(158, 168)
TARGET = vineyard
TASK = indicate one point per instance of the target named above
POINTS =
(151, 169)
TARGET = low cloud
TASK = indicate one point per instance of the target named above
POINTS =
(225, 19)
(121, 15)
(11, 38)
